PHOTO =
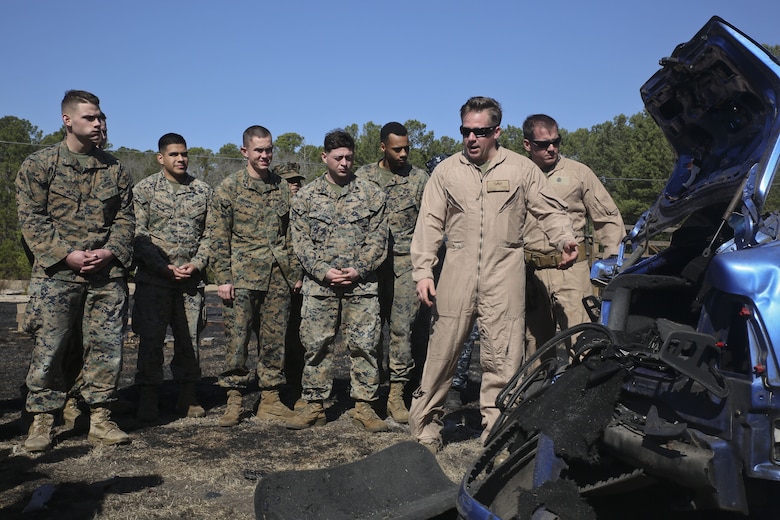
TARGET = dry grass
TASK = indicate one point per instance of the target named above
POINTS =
(179, 468)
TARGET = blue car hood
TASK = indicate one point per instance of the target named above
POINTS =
(716, 101)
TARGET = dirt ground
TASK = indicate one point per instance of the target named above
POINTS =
(179, 467)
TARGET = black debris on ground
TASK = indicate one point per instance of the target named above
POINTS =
(574, 410)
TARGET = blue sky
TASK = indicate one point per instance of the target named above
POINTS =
(209, 69)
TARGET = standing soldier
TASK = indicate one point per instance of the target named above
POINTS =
(403, 184)
(555, 295)
(293, 352)
(291, 172)
(75, 206)
(340, 237)
(171, 251)
(255, 271)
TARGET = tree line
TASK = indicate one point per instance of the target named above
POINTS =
(628, 153)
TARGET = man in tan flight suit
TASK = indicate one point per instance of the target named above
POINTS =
(478, 199)
(554, 296)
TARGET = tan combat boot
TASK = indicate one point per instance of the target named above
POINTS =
(71, 413)
(364, 415)
(147, 404)
(234, 410)
(187, 403)
(396, 407)
(39, 434)
(102, 430)
(313, 414)
(272, 408)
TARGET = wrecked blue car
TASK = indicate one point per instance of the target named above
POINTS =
(669, 399)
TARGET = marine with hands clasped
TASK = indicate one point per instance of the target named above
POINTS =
(172, 247)
(75, 207)
(403, 184)
(340, 236)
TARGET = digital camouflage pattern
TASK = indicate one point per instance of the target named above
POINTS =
(102, 311)
(155, 308)
(340, 229)
(359, 318)
(265, 314)
(63, 207)
(170, 230)
(397, 290)
(249, 224)
(289, 171)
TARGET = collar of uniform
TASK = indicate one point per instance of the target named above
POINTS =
(98, 159)
(261, 187)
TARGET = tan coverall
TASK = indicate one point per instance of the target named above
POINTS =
(483, 276)
(555, 296)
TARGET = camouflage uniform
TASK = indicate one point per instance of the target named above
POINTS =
(249, 225)
(63, 208)
(397, 290)
(335, 230)
(170, 229)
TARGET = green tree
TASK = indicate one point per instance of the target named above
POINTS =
(512, 138)
(18, 139)
(289, 143)
(366, 143)
(230, 150)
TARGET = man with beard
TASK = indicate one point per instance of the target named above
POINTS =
(403, 184)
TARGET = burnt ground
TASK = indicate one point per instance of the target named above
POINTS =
(179, 467)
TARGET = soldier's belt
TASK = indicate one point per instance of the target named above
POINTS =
(551, 260)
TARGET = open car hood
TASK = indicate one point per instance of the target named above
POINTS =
(716, 100)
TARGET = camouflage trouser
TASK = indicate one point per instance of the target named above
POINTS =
(359, 318)
(265, 314)
(57, 310)
(74, 353)
(398, 308)
(155, 308)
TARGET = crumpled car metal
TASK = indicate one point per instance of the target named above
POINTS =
(673, 390)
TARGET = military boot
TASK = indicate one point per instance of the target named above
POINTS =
(71, 413)
(272, 408)
(363, 415)
(39, 435)
(313, 414)
(187, 403)
(147, 404)
(102, 430)
(396, 407)
(234, 410)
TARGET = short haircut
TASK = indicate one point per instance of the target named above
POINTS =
(535, 120)
(338, 138)
(255, 131)
(74, 97)
(102, 116)
(482, 104)
(392, 128)
(169, 139)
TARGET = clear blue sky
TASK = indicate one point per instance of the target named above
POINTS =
(209, 69)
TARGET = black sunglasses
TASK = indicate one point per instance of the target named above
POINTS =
(478, 132)
(544, 145)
